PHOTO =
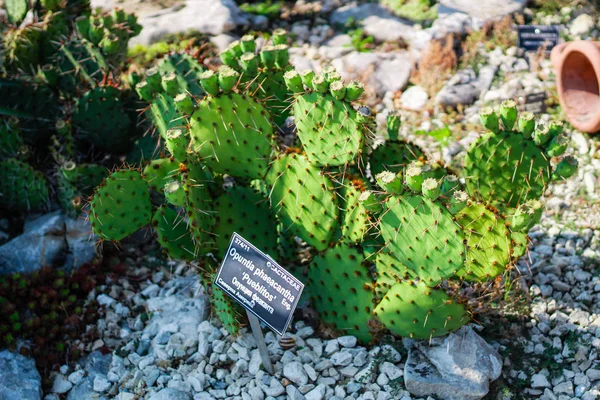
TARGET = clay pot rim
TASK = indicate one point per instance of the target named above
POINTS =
(557, 57)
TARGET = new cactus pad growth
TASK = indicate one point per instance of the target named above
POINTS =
(121, 205)
(512, 163)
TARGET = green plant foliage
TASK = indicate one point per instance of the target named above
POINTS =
(395, 234)
(16, 10)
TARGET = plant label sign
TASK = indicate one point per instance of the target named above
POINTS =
(532, 37)
(533, 102)
(259, 284)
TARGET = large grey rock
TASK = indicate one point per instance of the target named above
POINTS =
(212, 17)
(19, 379)
(376, 21)
(384, 72)
(457, 367)
(51, 240)
(482, 10)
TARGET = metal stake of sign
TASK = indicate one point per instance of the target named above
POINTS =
(260, 340)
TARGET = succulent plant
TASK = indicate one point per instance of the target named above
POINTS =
(512, 163)
(397, 233)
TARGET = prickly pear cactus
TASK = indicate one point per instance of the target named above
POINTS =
(231, 132)
(121, 205)
(173, 235)
(423, 236)
(342, 292)
(159, 172)
(186, 68)
(396, 153)
(296, 188)
(261, 71)
(100, 117)
(21, 187)
(246, 212)
(418, 311)
(11, 140)
(489, 247)
(330, 130)
(512, 162)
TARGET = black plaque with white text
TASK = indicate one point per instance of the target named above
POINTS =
(532, 37)
(259, 284)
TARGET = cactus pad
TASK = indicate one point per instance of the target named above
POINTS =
(21, 187)
(186, 68)
(393, 156)
(423, 236)
(328, 129)
(100, 116)
(161, 171)
(226, 310)
(246, 212)
(389, 271)
(342, 292)
(232, 134)
(303, 199)
(419, 312)
(355, 222)
(488, 243)
(121, 205)
(173, 235)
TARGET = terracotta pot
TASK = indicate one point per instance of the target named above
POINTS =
(577, 66)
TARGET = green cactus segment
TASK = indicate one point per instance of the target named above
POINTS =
(355, 221)
(526, 216)
(566, 168)
(328, 129)
(232, 134)
(271, 89)
(342, 293)
(488, 243)
(419, 312)
(199, 207)
(160, 172)
(11, 140)
(177, 142)
(164, 114)
(21, 187)
(16, 10)
(121, 205)
(85, 177)
(506, 169)
(173, 235)
(393, 156)
(422, 235)
(22, 47)
(303, 199)
(389, 272)
(226, 310)
(246, 212)
(520, 243)
(101, 118)
(187, 70)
